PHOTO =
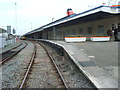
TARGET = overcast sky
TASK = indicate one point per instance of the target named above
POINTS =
(32, 14)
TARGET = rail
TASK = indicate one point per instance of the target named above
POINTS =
(29, 67)
(13, 54)
(12, 48)
(59, 72)
(31, 63)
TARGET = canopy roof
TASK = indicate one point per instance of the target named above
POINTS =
(92, 14)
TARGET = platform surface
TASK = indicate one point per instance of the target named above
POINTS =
(98, 60)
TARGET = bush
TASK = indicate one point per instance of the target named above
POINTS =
(75, 36)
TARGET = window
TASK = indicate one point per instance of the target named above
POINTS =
(68, 32)
(118, 27)
(58, 32)
(80, 30)
(100, 29)
(113, 26)
(73, 31)
(89, 30)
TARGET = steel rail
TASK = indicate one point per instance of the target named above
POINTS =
(29, 67)
(59, 72)
(12, 55)
(12, 48)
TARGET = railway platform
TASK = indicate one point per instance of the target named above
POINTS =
(97, 60)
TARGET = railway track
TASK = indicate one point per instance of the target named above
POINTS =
(39, 66)
(5, 56)
(42, 71)
(72, 75)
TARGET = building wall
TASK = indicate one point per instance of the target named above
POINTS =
(50, 34)
(86, 29)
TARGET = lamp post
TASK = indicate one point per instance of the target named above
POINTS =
(16, 15)
(52, 19)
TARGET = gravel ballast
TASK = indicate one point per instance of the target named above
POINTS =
(43, 73)
(14, 69)
(73, 76)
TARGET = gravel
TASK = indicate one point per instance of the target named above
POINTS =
(43, 73)
(73, 76)
(14, 69)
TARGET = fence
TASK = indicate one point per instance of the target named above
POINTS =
(4, 42)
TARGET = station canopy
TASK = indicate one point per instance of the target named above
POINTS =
(97, 13)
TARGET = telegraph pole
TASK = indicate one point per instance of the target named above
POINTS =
(16, 15)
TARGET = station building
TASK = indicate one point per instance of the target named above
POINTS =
(94, 22)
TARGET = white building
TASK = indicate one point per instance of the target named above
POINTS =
(6, 39)
(3, 37)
